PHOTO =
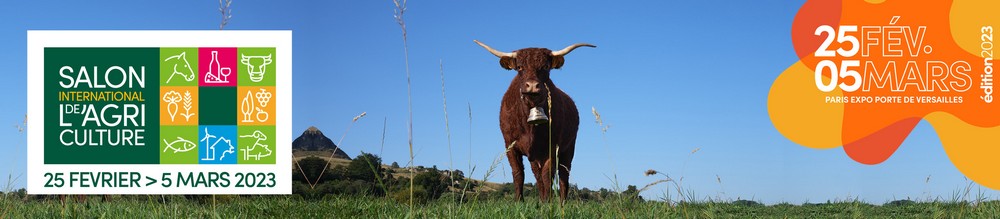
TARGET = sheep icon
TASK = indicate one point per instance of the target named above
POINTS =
(258, 147)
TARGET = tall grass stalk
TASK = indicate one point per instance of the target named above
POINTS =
(312, 185)
(381, 147)
(964, 199)
(722, 193)
(607, 148)
(378, 177)
(927, 190)
(398, 15)
(680, 182)
(667, 179)
(227, 14)
(375, 165)
(7, 199)
(354, 120)
(493, 166)
(447, 127)
(465, 187)
(554, 151)
(472, 169)
(9, 187)
(385, 121)
(614, 171)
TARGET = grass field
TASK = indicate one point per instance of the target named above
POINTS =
(366, 207)
(350, 206)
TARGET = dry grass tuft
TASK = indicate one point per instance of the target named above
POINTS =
(226, 11)
(23, 125)
(651, 172)
(363, 114)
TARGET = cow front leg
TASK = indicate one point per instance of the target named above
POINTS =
(517, 170)
(536, 169)
(564, 181)
(545, 181)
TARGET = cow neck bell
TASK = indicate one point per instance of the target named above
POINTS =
(537, 116)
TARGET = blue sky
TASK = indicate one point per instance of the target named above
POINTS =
(668, 76)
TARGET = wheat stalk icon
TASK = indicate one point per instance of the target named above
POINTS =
(187, 106)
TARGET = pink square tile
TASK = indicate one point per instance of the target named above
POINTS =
(217, 67)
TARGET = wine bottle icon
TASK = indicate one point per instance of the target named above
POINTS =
(216, 73)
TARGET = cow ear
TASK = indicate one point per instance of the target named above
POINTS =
(557, 62)
(507, 62)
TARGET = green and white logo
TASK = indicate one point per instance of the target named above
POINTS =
(159, 112)
(95, 105)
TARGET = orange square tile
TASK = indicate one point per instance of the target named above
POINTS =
(255, 105)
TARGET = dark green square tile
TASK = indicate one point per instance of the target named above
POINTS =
(217, 105)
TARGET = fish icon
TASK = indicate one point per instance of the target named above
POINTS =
(185, 145)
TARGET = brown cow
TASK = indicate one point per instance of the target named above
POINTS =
(523, 120)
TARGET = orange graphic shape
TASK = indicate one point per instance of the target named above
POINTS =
(938, 57)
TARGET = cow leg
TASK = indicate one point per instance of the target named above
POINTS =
(517, 170)
(563, 181)
(565, 165)
(536, 168)
(545, 183)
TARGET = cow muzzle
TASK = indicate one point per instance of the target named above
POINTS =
(537, 116)
(532, 88)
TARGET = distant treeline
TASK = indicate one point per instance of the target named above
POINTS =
(366, 176)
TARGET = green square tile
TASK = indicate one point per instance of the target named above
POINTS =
(256, 144)
(257, 66)
(179, 66)
(217, 106)
(178, 144)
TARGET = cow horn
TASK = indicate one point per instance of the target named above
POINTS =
(570, 49)
(495, 52)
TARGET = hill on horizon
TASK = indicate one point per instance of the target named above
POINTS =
(313, 140)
